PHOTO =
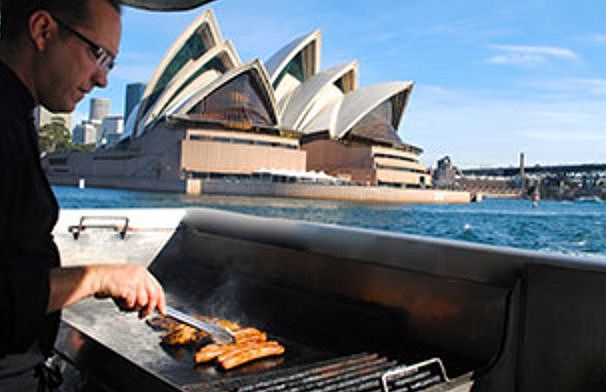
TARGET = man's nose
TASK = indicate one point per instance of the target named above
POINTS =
(100, 77)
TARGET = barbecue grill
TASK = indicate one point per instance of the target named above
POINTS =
(357, 310)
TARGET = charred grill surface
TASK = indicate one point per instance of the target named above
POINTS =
(360, 372)
(314, 329)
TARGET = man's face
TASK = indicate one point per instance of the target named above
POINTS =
(68, 68)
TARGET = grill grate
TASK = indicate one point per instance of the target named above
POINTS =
(356, 373)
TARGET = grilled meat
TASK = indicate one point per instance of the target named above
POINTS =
(249, 334)
(161, 323)
(232, 326)
(209, 352)
(249, 343)
(236, 354)
(243, 338)
(249, 353)
(182, 334)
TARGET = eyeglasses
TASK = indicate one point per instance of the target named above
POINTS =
(103, 57)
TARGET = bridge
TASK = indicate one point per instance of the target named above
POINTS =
(569, 171)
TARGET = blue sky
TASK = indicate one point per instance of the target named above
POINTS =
(492, 78)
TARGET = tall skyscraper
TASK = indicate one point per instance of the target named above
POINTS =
(99, 108)
(134, 92)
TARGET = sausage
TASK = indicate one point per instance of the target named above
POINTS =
(249, 353)
(212, 351)
(209, 352)
(249, 334)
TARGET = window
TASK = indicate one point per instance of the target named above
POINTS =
(216, 64)
(295, 68)
(195, 46)
(378, 125)
(401, 158)
(240, 101)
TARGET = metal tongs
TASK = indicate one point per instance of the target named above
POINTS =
(218, 334)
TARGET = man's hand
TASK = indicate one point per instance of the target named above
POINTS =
(131, 286)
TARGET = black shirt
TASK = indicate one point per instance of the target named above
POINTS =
(28, 213)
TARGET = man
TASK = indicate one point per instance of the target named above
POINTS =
(52, 53)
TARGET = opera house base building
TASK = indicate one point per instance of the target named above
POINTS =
(209, 124)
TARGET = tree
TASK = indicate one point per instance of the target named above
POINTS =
(54, 137)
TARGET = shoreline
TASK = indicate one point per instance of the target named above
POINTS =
(275, 189)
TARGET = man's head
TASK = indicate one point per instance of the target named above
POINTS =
(64, 47)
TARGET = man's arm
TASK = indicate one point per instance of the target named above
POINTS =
(130, 285)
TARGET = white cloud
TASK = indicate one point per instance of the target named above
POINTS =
(598, 38)
(528, 55)
(595, 87)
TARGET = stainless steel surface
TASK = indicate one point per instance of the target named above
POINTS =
(218, 334)
(439, 303)
(517, 317)
(149, 232)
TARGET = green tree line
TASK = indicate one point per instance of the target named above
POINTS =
(55, 137)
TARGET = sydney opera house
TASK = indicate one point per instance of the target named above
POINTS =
(210, 123)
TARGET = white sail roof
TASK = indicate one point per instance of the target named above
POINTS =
(204, 68)
(200, 36)
(292, 65)
(310, 42)
(361, 102)
(318, 92)
(341, 116)
(289, 92)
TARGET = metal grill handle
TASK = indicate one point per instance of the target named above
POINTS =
(418, 376)
(80, 227)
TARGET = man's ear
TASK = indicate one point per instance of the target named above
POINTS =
(41, 28)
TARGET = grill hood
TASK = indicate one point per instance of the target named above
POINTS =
(165, 5)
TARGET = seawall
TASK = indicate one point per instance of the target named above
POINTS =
(276, 189)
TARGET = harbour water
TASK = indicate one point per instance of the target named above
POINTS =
(573, 228)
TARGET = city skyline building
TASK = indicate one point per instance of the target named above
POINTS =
(111, 130)
(133, 94)
(43, 116)
(99, 108)
(84, 133)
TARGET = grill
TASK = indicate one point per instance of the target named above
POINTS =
(355, 373)
(357, 310)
